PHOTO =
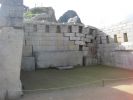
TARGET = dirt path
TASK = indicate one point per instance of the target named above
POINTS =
(112, 92)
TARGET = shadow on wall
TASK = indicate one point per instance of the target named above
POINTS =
(115, 49)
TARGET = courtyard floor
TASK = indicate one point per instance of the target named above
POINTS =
(86, 84)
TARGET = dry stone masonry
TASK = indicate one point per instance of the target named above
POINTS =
(42, 42)
(115, 45)
(56, 44)
(11, 13)
(11, 42)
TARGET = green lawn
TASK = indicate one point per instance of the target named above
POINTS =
(53, 78)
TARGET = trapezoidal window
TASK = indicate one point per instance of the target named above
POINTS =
(91, 41)
(125, 37)
(115, 38)
(91, 31)
(86, 44)
(58, 29)
(47, 28)
(69, 29)
(100, 40)
(107, 39)
(80, 29)
(80, 47)
(35, 28)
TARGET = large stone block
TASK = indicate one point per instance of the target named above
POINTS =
(47, 43)
(44, 48)
(62, 48)
(11, 43)
(86, 39)
(90, 61)
(11, 13)
(73, 47)
(69, 34)
(80, 35)
(79, 42)
(32, 43)
(64, 58)
(29, 28)
(28, 63)
(64, 28)
(27, 51)
(52, 28)
(75, 28)
(49, 34)
(41, 28)
(89, 36)
(75, 38)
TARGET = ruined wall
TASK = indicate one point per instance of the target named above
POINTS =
(11, 13)
(11, 42)
(54, 44)
(115, 45)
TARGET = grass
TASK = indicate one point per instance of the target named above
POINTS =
(53, 78)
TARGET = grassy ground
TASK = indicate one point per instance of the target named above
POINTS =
(53, 78)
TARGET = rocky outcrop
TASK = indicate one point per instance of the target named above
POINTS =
(44, 14)
(69, 16)
(73, 20)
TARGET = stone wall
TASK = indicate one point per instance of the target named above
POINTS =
(56, 38)
(114, 48)
(11, 13)
(11, 41)
(58, 58)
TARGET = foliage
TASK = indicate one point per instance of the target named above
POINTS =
(33, 12)
(28, 15)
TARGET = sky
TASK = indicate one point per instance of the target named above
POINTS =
(97, 13)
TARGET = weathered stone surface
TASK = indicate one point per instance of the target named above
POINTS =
(79, 42)
(80, 35)
(11, 13)
(28, 63)
(55, 43)
(69, 34)
(27, 51)
(75, 38)
(66, 58)
(64, 28)
(113, 53)
(47, 14)
(75, 28)
(11, 42)
(73, 20)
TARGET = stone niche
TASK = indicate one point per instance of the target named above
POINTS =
(11, 42)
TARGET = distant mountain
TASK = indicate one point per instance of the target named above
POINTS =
(69, 16)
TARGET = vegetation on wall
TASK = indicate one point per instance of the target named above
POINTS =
(33, 12)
